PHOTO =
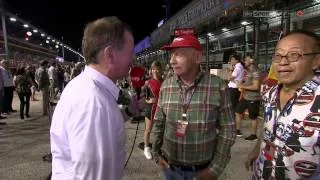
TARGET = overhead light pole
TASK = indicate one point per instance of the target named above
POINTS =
(4, 30)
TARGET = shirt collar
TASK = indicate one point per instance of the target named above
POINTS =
(195, 82)
(103, 80)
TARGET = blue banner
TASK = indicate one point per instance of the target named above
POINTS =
(142, 45)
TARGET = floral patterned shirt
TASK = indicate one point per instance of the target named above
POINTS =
(291, 143)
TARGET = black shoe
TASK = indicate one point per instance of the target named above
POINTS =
(252, 137)
(27, 115)
(13, 111)
(22, 118)
(239, 134)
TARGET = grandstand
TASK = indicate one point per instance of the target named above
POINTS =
(28, 44)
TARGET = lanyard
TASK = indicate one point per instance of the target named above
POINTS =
(186, 102)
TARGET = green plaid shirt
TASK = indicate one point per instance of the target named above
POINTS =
(211, 126)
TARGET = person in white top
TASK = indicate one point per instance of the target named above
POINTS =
(235, 78)
(87, 131)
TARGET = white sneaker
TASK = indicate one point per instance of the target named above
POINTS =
(147, 153)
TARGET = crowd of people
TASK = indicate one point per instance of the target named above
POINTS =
(191, 116)
(26, 80)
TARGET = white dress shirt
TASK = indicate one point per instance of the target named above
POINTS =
(51, 72)
(87, 131)
(238, 74)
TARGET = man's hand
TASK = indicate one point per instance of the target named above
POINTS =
(250, 160)
(163, 164)
(206, 174)
(252, 156)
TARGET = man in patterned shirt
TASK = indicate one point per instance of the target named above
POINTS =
(194, 127)
(289, 147)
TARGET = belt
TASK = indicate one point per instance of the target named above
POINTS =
(199, 167)
(189, 168)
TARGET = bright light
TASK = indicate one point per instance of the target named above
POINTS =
(27, 39)
(29, 33)
(48, 37)
(225, 29)
(53, 40)
(42, 34)
(41, 44)
(61, 44)
(210, 34)
(26, 25)
(47, 41)
(13, 19)
(35, 30)
(57, 46)
(58, 42)
(244, 23)
(273, 13)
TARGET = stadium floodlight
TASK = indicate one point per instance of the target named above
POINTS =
(48, 37)
(13, 19)
(26, 25)
(53, 40)
(29, 33)
(42, 34)
(210, 34)
(57, 46)
(244, 23)
(47, 41)
(225, 29)
(35, 30)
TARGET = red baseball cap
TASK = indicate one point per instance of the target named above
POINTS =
(184, 42)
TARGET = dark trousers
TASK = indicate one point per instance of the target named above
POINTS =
(234, 98)
(138, 91)
(24, 102)
(7, 99)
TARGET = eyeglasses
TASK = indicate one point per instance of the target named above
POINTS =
(291, 56)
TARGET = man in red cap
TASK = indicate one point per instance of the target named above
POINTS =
(194, 128)
(137, 74)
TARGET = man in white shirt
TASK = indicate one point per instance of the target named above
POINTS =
(87, 131)
(8, 87)
(235, 78)
(52, 72)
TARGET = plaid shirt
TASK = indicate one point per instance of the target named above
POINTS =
(209, 111)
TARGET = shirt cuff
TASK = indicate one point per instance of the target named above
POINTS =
(215, 170)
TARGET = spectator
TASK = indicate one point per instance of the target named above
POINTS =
(23, 84)
(194, 128)
(8, 87)
(289, 147)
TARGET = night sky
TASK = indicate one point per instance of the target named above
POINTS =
(68, 18)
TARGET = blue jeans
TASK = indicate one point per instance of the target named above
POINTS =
(174, 173)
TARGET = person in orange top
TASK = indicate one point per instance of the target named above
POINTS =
(269, 81)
